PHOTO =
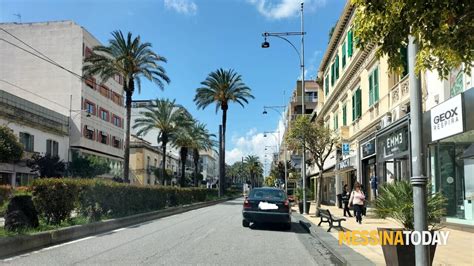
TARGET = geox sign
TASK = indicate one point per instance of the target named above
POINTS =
(447, 119)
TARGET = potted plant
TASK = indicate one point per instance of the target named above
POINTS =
(395, 201)
(299, 197)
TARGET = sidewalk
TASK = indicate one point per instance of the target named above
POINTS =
(459, 251)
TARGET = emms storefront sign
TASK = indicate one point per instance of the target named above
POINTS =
(447, 119)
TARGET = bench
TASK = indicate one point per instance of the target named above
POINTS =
(327, 217)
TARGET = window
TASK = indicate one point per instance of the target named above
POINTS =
(326, 85)
(356, 105)
(404, 56)
(104, 91)
(115, 142)
(104, 114)
(336, 66)
(374, 87)
(311, 96)
(336, 121)
(344, 115)
(88, 133)
(28, 141)
(90, 107)
(343, 54)
(103, 137)
(332, 75)
(117, 121)
(52, 148)
(90, 83)
(87, 52)
(350, 43)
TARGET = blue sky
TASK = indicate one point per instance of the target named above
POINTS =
(199, 36)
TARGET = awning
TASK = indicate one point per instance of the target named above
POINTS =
(469, 152)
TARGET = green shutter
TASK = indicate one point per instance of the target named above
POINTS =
(404, 57)
(349, 43)
(359, 103)
(337, 121)
(343, 54)
(337, 66)
(371, 90)
(344, 115)
(332, 74)
(376, 84)
(353, 107)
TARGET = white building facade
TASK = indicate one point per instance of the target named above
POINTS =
(36, 72)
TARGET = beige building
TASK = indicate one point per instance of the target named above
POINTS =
(145, 159)
(365, 104)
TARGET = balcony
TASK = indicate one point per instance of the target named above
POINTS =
(399, 92)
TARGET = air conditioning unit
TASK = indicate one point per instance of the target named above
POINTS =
(386, 120)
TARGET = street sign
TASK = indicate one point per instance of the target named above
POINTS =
(345, 148)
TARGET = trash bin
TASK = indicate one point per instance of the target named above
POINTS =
(339, 201)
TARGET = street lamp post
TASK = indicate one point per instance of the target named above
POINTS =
(266, 44)
(275, 108)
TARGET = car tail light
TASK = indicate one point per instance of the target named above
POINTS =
(246, 204)
(286, 202)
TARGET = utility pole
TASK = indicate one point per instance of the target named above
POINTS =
(220, 163)
(303, 111)
(418, 180)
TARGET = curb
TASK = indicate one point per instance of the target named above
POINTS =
(343, 253)
(16, 245)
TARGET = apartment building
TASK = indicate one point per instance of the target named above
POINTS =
(43, 64)
(448, 134)
(365, 104)
(38, 129)
(209, 167)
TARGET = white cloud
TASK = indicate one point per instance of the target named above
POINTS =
(186, 7)
(284, 8)
(253, 143)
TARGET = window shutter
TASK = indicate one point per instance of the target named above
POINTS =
(359, 103)
(332, 74)
(349, 43)
(326, 83)
(337, 66)
(354, 107)
(404, 57)
(371, 89)
(48, 147)
(344, 115)
(55, 148)
(375, 79)
(32, 143)
(343, 54)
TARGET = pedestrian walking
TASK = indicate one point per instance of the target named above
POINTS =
(357, 200)
(345, 200)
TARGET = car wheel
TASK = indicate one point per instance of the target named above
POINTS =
(245, 223)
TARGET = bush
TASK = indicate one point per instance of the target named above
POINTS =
(55, 198)
(5, 192)
(21, 214)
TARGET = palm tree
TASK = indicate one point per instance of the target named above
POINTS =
(202, 140)
(132, 60)
(163, 115)
(183, 140)
(254, 166)
(222, 87)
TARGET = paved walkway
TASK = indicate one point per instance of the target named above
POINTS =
(459, 251)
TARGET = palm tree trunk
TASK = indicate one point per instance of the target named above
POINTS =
(163, 166)
(224, 123)
(196, 164)
(183, 153)
(128, 105)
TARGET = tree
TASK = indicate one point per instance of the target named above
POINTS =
(222, 87)
(444, 31)
(183, 140)
(88, 166)
(163, 115)
(47, 166)
(202, 141)
(10, 149)
(270, 181)
(132, 60)
(254, 168)
(318, 140)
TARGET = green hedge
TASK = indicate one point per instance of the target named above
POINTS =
(55, 199)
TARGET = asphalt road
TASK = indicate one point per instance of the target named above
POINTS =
(208, 236)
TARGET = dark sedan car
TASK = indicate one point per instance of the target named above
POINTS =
(267, 205)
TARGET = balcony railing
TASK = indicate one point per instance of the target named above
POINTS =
(307, 99)
(399, 91)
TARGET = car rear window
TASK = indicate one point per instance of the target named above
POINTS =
(267, 194)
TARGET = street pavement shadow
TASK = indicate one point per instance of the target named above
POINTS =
(295, 227)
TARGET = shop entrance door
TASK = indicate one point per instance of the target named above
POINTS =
(396, 170)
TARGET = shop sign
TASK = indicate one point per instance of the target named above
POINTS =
(344, 164)
(296, 161)
(368, 148)
(447, 118)
(345, 149)
(396, 142)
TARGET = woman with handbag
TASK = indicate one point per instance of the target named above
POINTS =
(357, 200)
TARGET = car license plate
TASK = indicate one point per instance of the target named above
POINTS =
(267, 206)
